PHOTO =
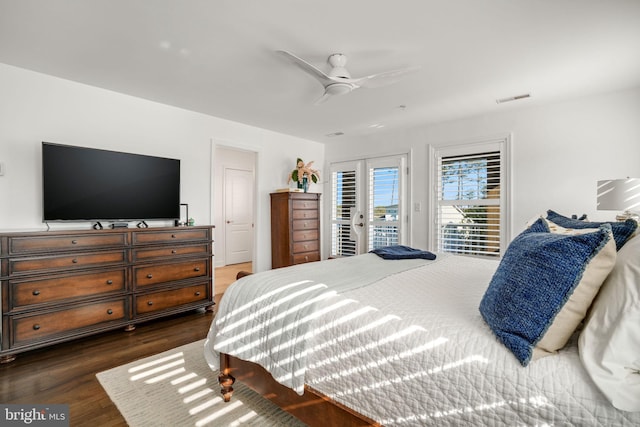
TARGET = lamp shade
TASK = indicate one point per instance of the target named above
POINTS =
(619, 194)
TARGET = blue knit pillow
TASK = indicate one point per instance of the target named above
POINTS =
(622, 231)
(544, 286)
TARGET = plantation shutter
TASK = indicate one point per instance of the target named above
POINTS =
(469, 200)
(368, 200)
(344, 207)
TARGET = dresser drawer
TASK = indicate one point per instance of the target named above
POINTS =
(302, 235)
(161, 273)
(157, 301)
(51, 289)
(306, 257)
(41, 326)
(309, 246)
(169, 252)
(64, 262)
(304, 214)
(304, 204)
(19, 245)
(172, 236)
(305, 224)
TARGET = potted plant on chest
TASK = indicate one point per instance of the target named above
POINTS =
(302, 174)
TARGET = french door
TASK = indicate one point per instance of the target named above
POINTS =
(368, 199)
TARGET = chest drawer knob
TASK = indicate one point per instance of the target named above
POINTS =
(149, 276)
(173, 251)
(197, 294)
(36, 327)
(109, 282)
(149, 302)
(109, 311)
(36, 292)
(173, 236)
(75, 261)
(196, 269)
(74, 242)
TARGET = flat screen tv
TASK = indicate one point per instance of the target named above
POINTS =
(88, 184)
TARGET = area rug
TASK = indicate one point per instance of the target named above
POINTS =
(177, 388)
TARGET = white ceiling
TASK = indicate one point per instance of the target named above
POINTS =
(218, 57)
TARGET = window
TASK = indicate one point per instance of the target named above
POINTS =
(367, 210)
(471, 199)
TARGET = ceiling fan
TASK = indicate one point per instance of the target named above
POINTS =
(338, 80)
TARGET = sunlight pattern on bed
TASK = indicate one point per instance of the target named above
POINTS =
(412, 349)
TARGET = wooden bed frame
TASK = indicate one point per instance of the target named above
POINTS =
(312, 408)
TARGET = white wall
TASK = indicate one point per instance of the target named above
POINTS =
(559, 152)
(36, 107)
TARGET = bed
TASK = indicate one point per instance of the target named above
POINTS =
(368, 341)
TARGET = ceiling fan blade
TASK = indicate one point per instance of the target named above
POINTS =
(308, 68)
(384, 79)
(324, 98)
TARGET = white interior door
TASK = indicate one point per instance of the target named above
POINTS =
(238, 215)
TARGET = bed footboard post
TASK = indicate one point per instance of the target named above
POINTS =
(225, 379)
(226, 382)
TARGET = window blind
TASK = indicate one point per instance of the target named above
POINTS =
(468, 198)
(343, 208)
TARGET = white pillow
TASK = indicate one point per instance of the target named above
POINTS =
(610, 341)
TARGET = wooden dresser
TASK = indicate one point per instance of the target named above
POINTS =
(295, 228)
(61, 285)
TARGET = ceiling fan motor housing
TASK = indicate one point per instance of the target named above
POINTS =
(338, 62)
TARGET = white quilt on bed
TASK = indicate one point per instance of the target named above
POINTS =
(412, 349)
(268, 319)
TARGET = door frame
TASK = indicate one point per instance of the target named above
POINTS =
(218, 163)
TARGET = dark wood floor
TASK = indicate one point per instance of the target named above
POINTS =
(66, 373)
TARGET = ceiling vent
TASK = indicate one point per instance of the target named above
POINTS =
(513, 98)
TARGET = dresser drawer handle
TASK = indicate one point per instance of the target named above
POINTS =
(305, 224)
(36, 327)
(109, 282)
(306, 258)
(109, 311)
(173, 236)
(306, 246)
(149, 276)
(196, 269)
(75, 260)
(36, 292)
(173, 251)
(149, 302)
(197, 294)
(74, 242)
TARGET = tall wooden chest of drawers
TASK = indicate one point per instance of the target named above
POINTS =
(295, 228)
(61, 285)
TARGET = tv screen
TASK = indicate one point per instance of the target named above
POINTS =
(84, 184)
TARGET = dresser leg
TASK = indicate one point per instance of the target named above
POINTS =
(130, 328)
(7, 358)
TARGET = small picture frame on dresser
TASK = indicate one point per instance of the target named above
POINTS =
(184, 215)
